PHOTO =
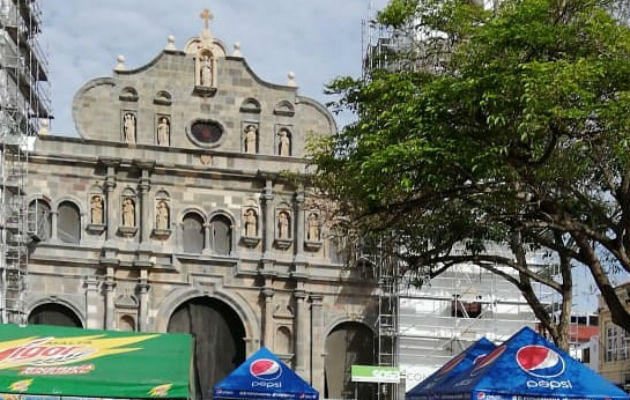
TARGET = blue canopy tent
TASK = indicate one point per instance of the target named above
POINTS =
(454, 367)
(528, 367)
(264, 376)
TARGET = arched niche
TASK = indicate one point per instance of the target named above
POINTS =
(219, 339)
(163, 98)
(250, 106)
(284, 108)
(128, 94)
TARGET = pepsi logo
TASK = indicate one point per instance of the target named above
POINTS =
(540, 361)
(487, 360)
(265, 369)
(480, 395)
(451, 364)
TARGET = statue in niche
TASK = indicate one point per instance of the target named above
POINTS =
(284, 149)
(129, 128)
(312, 233)
(283, 225)
(250, 139)
(96, 210)
(163, 131)
(161, 215)
(251, 223)
(205, 71)
(129, 213)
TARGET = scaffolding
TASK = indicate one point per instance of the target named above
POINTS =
(24, 102)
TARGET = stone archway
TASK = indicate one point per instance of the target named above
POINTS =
(348, 343)
(218, 333)
(54, 314)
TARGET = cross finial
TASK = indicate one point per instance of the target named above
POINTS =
(206, 15)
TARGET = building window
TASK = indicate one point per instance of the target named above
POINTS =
(194, 234)
(39, 220)
(586, 356)
(69, 223)
(221, 235)
(617, 343)
(206, 131)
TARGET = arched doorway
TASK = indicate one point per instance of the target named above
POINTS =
(219, 345)
(347, 344)
(54, 314)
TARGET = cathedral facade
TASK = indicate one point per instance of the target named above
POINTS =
(171, 212)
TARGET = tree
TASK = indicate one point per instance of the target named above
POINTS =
(519, 135)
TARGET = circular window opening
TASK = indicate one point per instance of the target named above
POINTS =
(206, 131)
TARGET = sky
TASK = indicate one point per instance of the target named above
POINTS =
(317, 39)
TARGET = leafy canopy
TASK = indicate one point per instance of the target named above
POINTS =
(520, 127)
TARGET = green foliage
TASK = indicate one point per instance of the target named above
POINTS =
(525, 129)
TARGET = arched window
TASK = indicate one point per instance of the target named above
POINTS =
(194, 234)
(221, 234)
(39, 219)
(69, 223)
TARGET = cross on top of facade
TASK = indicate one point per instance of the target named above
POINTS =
(206, 15)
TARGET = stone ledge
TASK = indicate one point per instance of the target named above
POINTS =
(204, 91)
(127, 231)
(95, 228)
(282, 244)
(250, 241)
(312, 246)
(161, 234)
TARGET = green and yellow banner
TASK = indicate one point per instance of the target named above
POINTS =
(51, 360)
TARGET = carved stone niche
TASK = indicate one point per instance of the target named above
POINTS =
(283, 237)
(251, 226)
(128, 94)
(161, 230)
(96, 218)
(129, 226)
(313, 234)
(163, 98)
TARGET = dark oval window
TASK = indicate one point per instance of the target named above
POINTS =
(206, 131)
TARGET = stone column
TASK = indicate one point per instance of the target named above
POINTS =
(53, 225)
(143, 292)
(299, 226)
(317, 341)
(91, 303)
(109, 287)
(145, 222)
(110, 201)
(267, 294)
(251, 346)
(299, 261)
(269, 220)
(302, 336)
(144, 186)
(207, 243)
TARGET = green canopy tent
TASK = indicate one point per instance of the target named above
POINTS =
(59, 361)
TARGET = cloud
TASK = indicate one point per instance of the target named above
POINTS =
(317, 39)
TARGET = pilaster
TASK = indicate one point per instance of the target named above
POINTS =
(317, 340)
(92, 321)
(301, 339)
(143, 295)
(109, 288)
